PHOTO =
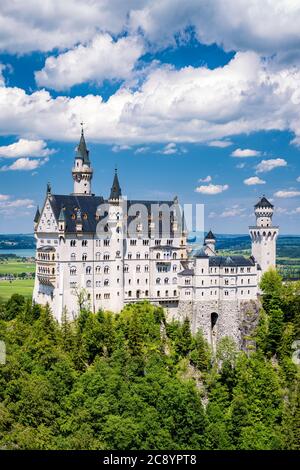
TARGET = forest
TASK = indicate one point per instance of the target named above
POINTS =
(135, 381)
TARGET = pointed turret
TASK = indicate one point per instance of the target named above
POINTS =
(37, 215)
(115, 192)
(62, 215)
(210, 236)
(82, 172)
(210, 243)
(264, 203)
(62, 220)
(82, 151)
(48, 190)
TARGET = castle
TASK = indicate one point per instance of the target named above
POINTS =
(106, 253)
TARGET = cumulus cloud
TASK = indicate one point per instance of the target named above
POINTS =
(3, 197)
(265, 27)
(208, 179)
(101, 59)
(298, 179)
(220, 143)
(287, 194)
(268, 165)
(235, 211)
(9, 205)
(243, 153)
(253, 180)
(172, 149)
(24, 164)
(192, 104)
(211, 189)
(34, 25)
(24, 147)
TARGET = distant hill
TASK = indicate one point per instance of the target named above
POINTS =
(287, 245)
(17, 241)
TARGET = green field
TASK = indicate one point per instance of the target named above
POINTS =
(18, 286)
(16, 267)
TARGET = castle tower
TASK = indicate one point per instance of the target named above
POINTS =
(210, 244)
(263, 235)
(82, 171)
(116, 242)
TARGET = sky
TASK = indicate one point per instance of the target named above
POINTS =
(199, 99)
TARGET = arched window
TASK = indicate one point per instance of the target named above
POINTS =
(129, 293)
(98, 269)
(106, 282)
(73, 270)
(138, 256)
(174, 255)
(88, 270)
(166, 281)
(73, 257)
(98, 256)
(138, 268)
(125, 268)
(157, 255)
(84, 257)
(106, 269)
(174, 268)
(88, 283)
(158, 280)
(174, 280)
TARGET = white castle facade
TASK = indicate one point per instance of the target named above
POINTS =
(106, 253)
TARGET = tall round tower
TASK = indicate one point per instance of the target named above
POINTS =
(264, 235)
(82, 171)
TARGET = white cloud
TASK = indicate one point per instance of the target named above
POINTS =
(253, 180)
(35, 25)
(9, 206)
(186, 105)
(3, 197)
(24, 164)
(220, 143)
(212, 189)
(298, 179)
(243, 153)
(287, 194)
(268, 165)
(241, 165)
(142, 150)
(169, 149)
(120, 148)
(208, 179)
(24, 147)
(235, 211)
(267, 26)
(101, 59)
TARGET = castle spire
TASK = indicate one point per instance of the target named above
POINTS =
(115, 192)
(82, 151)
(82, 172)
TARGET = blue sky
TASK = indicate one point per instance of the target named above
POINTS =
(181, 96)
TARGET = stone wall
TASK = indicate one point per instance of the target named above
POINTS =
(236, 319)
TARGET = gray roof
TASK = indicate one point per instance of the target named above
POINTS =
(210, 236)
(115, 192)
(186, 272)
(230, 261)
(82, 151)
(263, 202)
(200, 253)
(87, 207)
(37, 215)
